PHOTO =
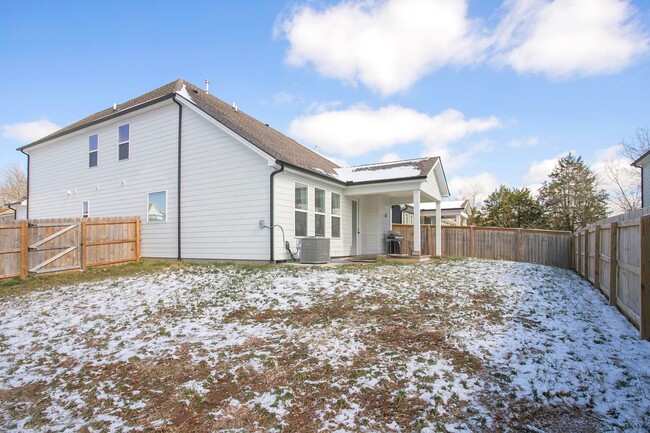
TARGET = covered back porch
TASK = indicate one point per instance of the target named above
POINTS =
(372, 219)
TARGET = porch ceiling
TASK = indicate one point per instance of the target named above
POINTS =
(397, 192)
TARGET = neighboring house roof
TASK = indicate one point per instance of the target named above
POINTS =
(638, 162)
(267, 139)
(20, 201)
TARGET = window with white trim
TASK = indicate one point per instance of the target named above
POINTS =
(336, 215)
(123, 139)
(319, 212)
(157, 207)
(93, 150)
(301, 208)
(85, 209)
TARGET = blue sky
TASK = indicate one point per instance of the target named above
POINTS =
(499, 89)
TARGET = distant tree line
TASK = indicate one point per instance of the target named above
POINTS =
(570, 199)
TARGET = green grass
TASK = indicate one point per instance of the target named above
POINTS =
(18, 286)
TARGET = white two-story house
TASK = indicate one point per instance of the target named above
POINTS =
(211, 182)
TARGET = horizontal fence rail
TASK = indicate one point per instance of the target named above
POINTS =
(614, 256)
(546, 247)
(40, 246)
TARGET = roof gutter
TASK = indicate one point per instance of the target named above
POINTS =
(28, 172)
(178, 179)
(272, 223)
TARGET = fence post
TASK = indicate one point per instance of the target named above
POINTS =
(644, 311)
(613, 263)
(471, 241)
(138, 240)
(586, 260)
(24, 249)
(83, 250)
(597, 257)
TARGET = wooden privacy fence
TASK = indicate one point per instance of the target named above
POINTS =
(523, 245)
(57, 245)
(615, 257)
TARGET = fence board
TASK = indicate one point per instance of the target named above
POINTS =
(622, 252)
(535, 246)
(97, 242)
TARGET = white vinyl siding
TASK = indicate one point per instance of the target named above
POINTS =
(285, 207)
(225, 193)
(646, 185)
(115, 188)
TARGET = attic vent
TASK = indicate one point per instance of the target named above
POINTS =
(195, 91)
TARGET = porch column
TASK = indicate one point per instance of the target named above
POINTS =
(416, 222)
(458, 220)
(438, 228)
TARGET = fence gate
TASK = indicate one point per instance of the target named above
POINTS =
(66, 241)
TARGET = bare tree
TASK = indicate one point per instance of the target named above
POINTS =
(636, 146)
(472, 192)
(624, 185)
(13, 183)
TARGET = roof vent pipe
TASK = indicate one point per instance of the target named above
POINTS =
(234, 105)
(207, 86)
(114, 106)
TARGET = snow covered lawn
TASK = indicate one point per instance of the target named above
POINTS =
(453, 345)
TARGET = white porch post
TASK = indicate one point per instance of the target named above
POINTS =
(458, 219)
(438, 229)
(416, 222)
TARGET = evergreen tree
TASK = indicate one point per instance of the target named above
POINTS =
(571, 198)
(507, 207)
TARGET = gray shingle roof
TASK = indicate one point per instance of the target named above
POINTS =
(267, 139)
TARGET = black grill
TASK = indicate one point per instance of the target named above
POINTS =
(394, 242)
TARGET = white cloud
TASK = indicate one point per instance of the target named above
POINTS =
(322, 106)
(389, 157)
(360, 129)
(282, 98)
(517, 143)
(563, 38)
(539, 170)
(387, 45)
(480, 185)
(26, 132)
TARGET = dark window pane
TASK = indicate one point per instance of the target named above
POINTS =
(320, 200)
(92, 143)
(92, 159)
(319, 224)
(124, 151)
(301, 223)
(123, 133)
(336, 227)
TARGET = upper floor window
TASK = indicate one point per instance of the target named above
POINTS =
(93, 150)
(123, 138)
(85, 209)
